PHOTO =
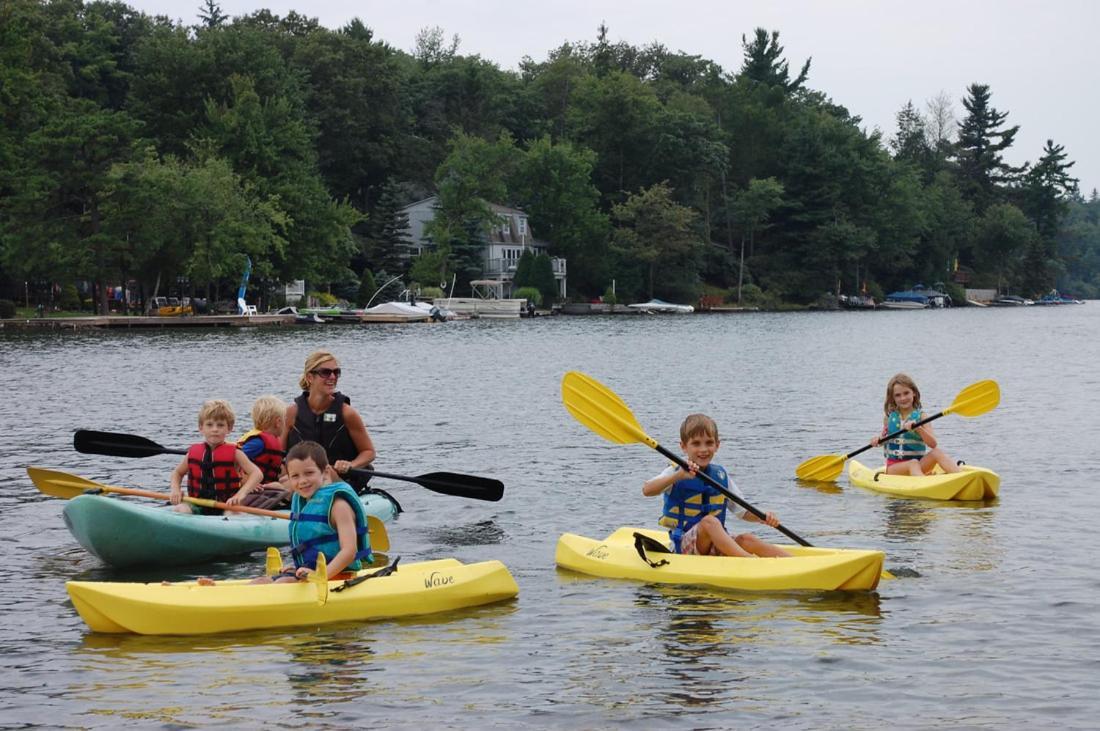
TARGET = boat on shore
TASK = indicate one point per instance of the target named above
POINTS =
(124, 533)
(660, 306)
(918, 298)
(1054, 297)
(623, 555)
(856, 302)
(1011, 300)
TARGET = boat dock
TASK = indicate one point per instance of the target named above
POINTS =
(144, 321)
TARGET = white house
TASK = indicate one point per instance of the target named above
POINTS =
(504, 245)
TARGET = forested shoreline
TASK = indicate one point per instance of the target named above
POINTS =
(140, 149)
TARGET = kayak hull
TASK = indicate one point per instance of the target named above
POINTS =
(973, 483)
(181, 608)
(827, 569)
(124, 534)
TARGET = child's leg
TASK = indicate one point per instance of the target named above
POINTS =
(759, 547)
(183, 508)
(906, 467)
(713, 534)
(938, 457)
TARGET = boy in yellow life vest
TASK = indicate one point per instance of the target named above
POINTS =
(695, 512)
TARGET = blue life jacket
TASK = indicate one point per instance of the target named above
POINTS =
(312, 533)
(687, 501)
(907, 446)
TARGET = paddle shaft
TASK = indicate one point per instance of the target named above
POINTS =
(717, 486)
(898, 433)
(194, 501)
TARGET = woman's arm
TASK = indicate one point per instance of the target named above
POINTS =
(359, 437)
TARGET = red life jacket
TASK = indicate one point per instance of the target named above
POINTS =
(222, 482)
(270, 460)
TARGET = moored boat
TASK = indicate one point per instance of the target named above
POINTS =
(656, 305)
(972, 483)
(187, 608)
(124, 533)
(617, 557)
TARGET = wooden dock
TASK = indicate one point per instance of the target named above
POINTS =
(144, 322)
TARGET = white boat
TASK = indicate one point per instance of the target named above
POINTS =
(397, 312)
(890, 304)
(656, 305)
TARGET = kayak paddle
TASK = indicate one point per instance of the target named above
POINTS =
(67, 486)
(601, 410)
(446, 483)
(974, 400)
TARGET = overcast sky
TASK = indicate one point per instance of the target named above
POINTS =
(1040, 59)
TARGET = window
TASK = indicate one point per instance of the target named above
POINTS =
(522, 227)
(505, 226)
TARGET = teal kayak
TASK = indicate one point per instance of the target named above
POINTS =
(123, 533)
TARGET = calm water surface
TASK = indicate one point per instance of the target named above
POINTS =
(994, 624)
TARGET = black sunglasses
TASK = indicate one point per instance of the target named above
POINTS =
(326, 372)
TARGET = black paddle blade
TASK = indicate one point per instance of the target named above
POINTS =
(471, 486)
(87, 441)
(449, 483)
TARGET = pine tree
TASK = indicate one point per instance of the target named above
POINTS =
(387, 241)
(764, 62)
(982, 170)
(1047, 188)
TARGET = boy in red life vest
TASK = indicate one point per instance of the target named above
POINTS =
(214, 466)
(694, 512)
(263, 446)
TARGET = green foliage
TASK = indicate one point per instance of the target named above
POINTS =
(70, 298)
(610, 297)
(142, 148)
(542, 278)
(7, 309)
(367, 288)
(528, 293)
(430, 293)
(523, 276)
(323, 299)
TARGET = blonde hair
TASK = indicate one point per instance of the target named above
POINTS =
(266, 411)
(218, 410)
(314, 359)
(696, 424)
(902, 380)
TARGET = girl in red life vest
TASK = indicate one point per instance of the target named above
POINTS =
(214, 467)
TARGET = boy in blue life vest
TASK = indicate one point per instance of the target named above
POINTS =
(325, 517)
(215, 469)
(694, 512)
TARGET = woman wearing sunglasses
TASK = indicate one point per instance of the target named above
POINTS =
(324, 415)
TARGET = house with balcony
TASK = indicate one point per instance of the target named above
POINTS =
(504, 244)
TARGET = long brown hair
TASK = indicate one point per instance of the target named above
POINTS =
(903, 380)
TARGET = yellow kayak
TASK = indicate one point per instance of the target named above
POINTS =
(230, 606)
(616, 557)
(973, 483)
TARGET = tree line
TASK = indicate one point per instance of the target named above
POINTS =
(140, 149)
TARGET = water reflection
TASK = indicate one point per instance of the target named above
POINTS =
(482, 533)
(828, 488)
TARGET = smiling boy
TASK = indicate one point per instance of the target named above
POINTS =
(694, 512)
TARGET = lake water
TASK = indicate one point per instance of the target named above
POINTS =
(994, 623)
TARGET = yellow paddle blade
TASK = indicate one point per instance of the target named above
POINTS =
(60, 484)
(822, 468)
(379, 539)
(319, 578)
(601, 410)
(976, 399)
(273, 564)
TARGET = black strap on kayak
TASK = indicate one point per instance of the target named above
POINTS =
(383, 493)
(643, 543)
(384, 571)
